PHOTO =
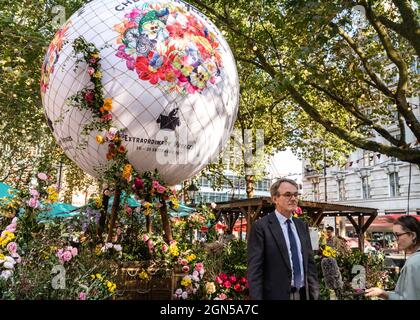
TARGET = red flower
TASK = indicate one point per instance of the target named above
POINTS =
(146, 73)
(243, 280)
(106, 117)
(138, 183)
(121, 149)
(232, 278)
(237, 287)
(89, 96)
(223, 276)
(227, 284)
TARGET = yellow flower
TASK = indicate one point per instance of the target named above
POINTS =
(173, 250)
(97, 74)
(143, 275)
(99, 139)
(92, 276)
(99, 276)
(2, 256)
(191, 257)
(295, 215)
(127, 171)
(210, 288)
(95, 56)
(186, 281)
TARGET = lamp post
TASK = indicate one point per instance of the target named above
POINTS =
(191, 190)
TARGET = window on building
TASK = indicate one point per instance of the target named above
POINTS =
(368, 159)
(341, 190)
(315, 191)
(393, 184)
(365, 188)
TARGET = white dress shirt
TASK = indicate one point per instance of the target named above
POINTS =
(283, 223)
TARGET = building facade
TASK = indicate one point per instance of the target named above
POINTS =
(369, 179)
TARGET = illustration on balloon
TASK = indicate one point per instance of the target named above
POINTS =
(167, 74)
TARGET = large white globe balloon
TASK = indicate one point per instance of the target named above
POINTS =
(170, 73)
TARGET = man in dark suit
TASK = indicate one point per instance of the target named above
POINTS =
(280, 258)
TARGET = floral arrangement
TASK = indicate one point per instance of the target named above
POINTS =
(98, 289)
(66, 254)
(8, 250)
(168, 46)
(228, 287)
(191, 284)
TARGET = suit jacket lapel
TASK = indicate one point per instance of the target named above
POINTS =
(278, 236)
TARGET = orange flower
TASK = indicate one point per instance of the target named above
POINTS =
(127, 171)
(99, 139)
(107, 104)
(121, 149)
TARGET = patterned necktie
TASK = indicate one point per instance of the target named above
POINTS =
(295, 255)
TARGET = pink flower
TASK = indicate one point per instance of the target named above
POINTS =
(145, 237)
(128, 210)
(111, 133)
(155, 184)
(185, 268)
(89, 96)
(11, 227)
(67, 256)
(227, 284)
(60, 252)
(106, 117)
(33, 203)
(42, 176)
(82, 296)
(164, 248)
(222, 296)
(184, 262)
(232, 279)
(219, 280)
(12, 247)
(160, 189)
(199, 266)
(74, 252)
(150, 244)
(223, 276)
(91, 71)
(34, 193)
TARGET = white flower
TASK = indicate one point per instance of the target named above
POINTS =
(213, 205)
(108, 245)
(137, 209)
(117, 247)
(178, 291)
(8, 265)
(184, 295)
(6, 274)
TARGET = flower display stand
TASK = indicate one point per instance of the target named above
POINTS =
(130, 286)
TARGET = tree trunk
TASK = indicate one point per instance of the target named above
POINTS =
(149, 228)
(249, 186)
(165, 221)
(104, 210)
(114, 212)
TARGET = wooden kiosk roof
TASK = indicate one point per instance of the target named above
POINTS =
(255, 208)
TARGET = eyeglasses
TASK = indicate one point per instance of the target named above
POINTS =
(290, 195)
(397, 235)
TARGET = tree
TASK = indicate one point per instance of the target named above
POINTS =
(27, 144)
(354, 79)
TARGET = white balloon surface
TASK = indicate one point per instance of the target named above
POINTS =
(170, 73)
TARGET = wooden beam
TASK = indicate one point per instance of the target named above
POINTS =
(368, 222)
(361, 234)
(353, 223)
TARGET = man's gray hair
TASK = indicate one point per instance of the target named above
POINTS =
(275, 186)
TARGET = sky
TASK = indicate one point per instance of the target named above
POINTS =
(285, 163)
